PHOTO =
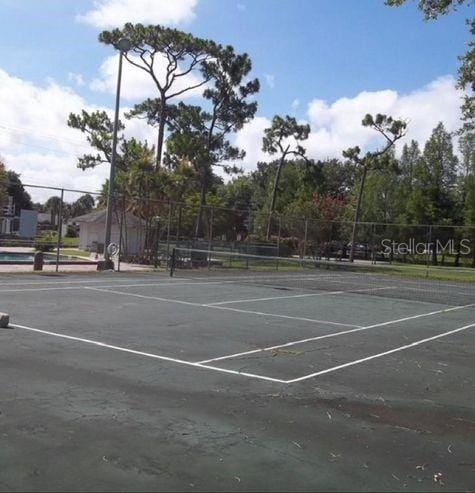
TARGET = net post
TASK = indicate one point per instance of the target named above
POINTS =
(60, 228)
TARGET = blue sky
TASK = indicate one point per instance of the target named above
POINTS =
(315, 58)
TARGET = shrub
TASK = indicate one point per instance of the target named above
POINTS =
(45, 242)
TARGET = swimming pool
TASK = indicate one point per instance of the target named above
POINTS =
(49, 258)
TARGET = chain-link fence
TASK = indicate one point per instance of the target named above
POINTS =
(69, 228)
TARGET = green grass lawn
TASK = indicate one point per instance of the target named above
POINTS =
(69, 242)
(74, 252)
(440, 273)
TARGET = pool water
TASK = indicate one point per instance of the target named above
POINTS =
(27, 258)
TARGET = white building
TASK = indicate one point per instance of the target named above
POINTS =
(92, 232)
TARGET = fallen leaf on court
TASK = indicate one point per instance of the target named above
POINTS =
(395, 477)
(237, 479)
(335, 456)
(277, 352)
(438, 478)
(329, 415)
(449, 449)
(297, 444)
(422, 468)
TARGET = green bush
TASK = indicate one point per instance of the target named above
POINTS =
(72, 232)
(45, 242)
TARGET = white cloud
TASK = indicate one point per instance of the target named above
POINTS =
(78, 79)
(250, 140)
(108, 14)
(295, 104)
(136, 83)
(36, 141)
(270, 79)
(337, 126)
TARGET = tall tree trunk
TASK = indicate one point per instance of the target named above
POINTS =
(161, 131)
(357, 214)
(274, 193)
(202, 204)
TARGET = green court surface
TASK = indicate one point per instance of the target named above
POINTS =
(244, 381)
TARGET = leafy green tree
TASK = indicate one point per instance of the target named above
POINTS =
(83, 205)
(384, 195)
(16, 190)
(466, 81)
(283, 137)
(435, 177)
(433, 197)
(183, 55)
(52, 205)
(392, 130)
(3, 187)
(201, 137)
(432, 8)
(98, 128)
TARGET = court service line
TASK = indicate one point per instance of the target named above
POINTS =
(148, 355)
(203, 305)
(334, 334)
(306, 295)
(380, 355)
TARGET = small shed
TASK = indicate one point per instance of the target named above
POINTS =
(92, 232)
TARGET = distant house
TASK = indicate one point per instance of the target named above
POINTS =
(92, 232)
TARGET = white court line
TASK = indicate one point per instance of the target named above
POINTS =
(38, 289)
(334, 334)
(327, 293)
(170, 280)
(288, 317)
(380, 355)
(204, 305)
(148, 355)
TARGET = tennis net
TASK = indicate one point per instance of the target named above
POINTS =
(311, 274)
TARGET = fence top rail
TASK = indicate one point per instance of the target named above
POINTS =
(251, 212)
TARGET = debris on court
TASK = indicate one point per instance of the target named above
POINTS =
(285, 352)
(438, 478)
(4, 320)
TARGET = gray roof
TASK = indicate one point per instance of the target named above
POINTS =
(99, 217)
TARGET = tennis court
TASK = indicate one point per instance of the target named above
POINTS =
(222, 379)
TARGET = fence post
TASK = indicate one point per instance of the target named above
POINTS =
(305, 238)
(121, 237)
(170, 207)
(60, 229)
(210, 235)
(429, 250)
(178, 226)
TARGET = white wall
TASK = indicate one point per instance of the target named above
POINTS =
(90, 232)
